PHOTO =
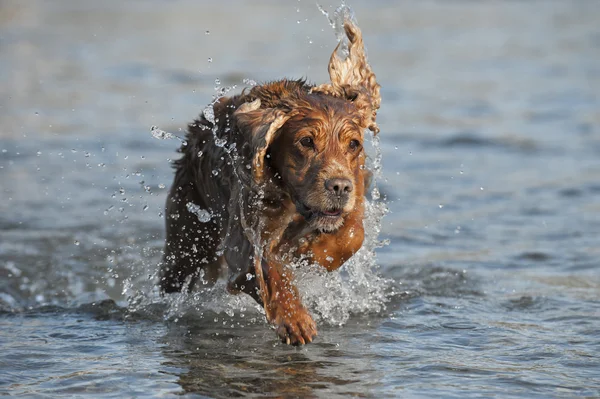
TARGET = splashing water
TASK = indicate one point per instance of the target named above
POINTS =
(203, 215)
(356, 288)
(160, 134)
(342, 14)
(209, 113)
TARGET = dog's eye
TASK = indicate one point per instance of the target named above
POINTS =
(354, 144)
(307, 142)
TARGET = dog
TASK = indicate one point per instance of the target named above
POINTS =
(272, 176)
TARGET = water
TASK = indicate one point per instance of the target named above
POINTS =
(490, 137)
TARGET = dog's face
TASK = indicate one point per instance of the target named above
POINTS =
(317, 157)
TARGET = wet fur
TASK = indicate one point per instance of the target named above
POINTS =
(268, 193)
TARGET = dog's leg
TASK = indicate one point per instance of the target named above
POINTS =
(270, 285)
(247, 283)
(283, 309)
(183, 269)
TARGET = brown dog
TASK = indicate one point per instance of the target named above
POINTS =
(271, 176)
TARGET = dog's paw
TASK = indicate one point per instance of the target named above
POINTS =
(295, 327)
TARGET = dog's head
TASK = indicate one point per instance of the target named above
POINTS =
(310, 144)
(318, 158)
(312, 150)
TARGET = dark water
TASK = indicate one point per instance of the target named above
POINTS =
(490, 283)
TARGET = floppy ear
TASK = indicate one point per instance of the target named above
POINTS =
(352, 77)
(261, 126)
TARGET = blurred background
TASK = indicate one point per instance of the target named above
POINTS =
(490, 134)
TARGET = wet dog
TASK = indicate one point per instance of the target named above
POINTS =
(269, 177)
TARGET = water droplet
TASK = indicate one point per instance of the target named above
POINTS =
(145, 208)
(441, 206)
(76, 242)
(160, 134)
(210, 59)
(203, 215)
(207, 32)
(481, 188)
(375, 193)
(39, 153)
(209, 114)
(217, 81)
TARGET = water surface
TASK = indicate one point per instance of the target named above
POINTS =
(487, 280)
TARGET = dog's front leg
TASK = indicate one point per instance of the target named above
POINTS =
(281, 302)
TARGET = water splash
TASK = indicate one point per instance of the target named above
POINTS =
(357, 286)
(203, 215)
(209, 113)
(342, 14)
(160, 134)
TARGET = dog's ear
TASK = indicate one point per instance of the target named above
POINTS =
(261, 126)
(352, 77)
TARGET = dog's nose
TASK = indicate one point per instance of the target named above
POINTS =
(338, 186)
